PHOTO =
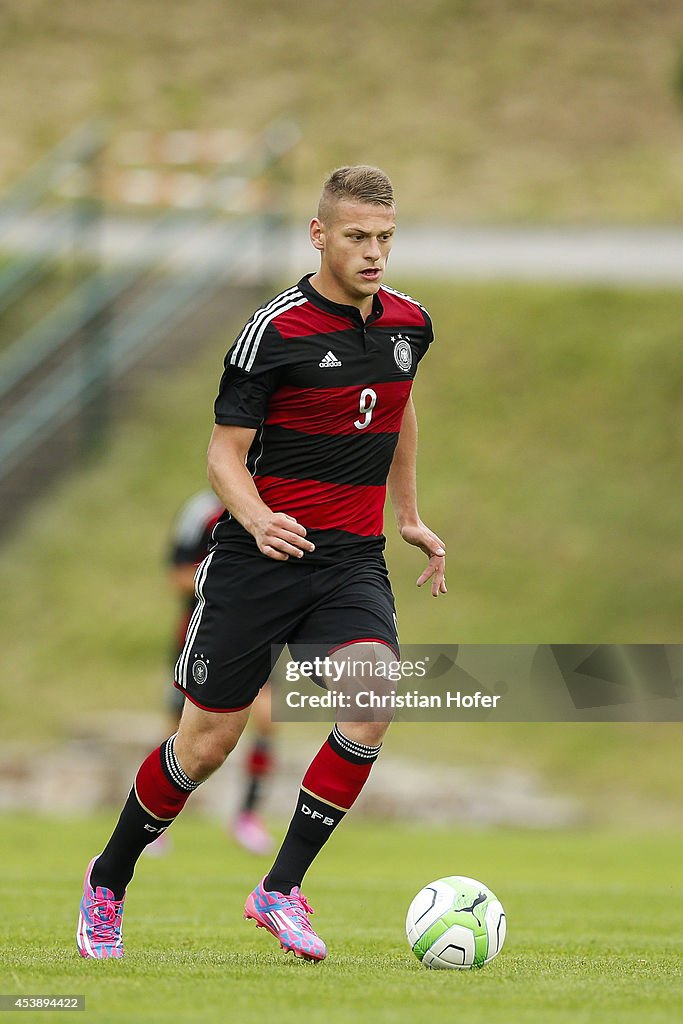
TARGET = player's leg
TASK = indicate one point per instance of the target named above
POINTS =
(163, 784)
(248, 827)
(220, 670)
(329, 789)
(175, 700)
(336, 775)
(353, 602)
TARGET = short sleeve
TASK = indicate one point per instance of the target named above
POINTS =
(428, 330)
(247, 384)
(425, 336)
(243, 397)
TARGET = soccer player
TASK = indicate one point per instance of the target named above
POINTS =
(313, 420)
(190, 544)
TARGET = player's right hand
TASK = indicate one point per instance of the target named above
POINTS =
(279, 536)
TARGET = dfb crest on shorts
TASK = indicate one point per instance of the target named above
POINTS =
(403, 353)
(200, 670)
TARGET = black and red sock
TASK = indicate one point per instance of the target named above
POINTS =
(159, 793)
(329, 789)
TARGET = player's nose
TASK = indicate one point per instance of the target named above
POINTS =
(372, 249)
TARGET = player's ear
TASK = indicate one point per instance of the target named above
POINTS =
(317, 233)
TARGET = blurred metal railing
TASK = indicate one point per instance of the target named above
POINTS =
(114, 348)
(76, 155)
(62, 367)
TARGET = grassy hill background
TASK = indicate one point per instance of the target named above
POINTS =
(550, 418)
(482, 110)
(550, 430)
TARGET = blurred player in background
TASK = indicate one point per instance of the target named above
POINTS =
(190, 543)
(314, 421)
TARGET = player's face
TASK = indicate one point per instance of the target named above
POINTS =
(354, 245)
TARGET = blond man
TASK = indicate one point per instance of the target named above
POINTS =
(314, 420)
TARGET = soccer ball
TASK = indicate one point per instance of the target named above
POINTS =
(455, 922)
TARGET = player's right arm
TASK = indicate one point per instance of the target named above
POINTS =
(277, 535)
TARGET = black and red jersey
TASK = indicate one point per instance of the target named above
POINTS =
(325, 391)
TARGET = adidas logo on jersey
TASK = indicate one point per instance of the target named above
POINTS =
(329, 360)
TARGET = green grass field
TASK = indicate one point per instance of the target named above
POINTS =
(595, 928)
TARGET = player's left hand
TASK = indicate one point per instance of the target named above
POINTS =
(435, 549)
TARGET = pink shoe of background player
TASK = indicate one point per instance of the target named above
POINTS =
(250, 832)
(161, 847)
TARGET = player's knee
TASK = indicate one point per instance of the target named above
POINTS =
(205, 739)
(370, 734)
(205, 761)
(206, 754)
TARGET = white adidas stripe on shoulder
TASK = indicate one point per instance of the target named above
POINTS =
(245, 348)
(261, 312)
(403, 295)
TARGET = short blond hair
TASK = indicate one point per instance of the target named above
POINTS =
(361, 183)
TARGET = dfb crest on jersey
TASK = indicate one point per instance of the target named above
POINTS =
(403, 353)
(200, 670)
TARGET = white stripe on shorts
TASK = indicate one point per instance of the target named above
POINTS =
(193, 628)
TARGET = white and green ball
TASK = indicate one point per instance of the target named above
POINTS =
(455, 922)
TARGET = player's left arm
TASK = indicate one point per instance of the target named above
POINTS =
(402, 484)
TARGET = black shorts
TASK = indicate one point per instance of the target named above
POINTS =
(249, 603)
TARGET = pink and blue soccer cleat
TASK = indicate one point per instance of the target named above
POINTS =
(99, 922)
(286, 917)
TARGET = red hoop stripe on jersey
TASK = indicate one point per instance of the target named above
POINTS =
(311, 321)
(394, 312)
(325, 506)
(335, 410)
